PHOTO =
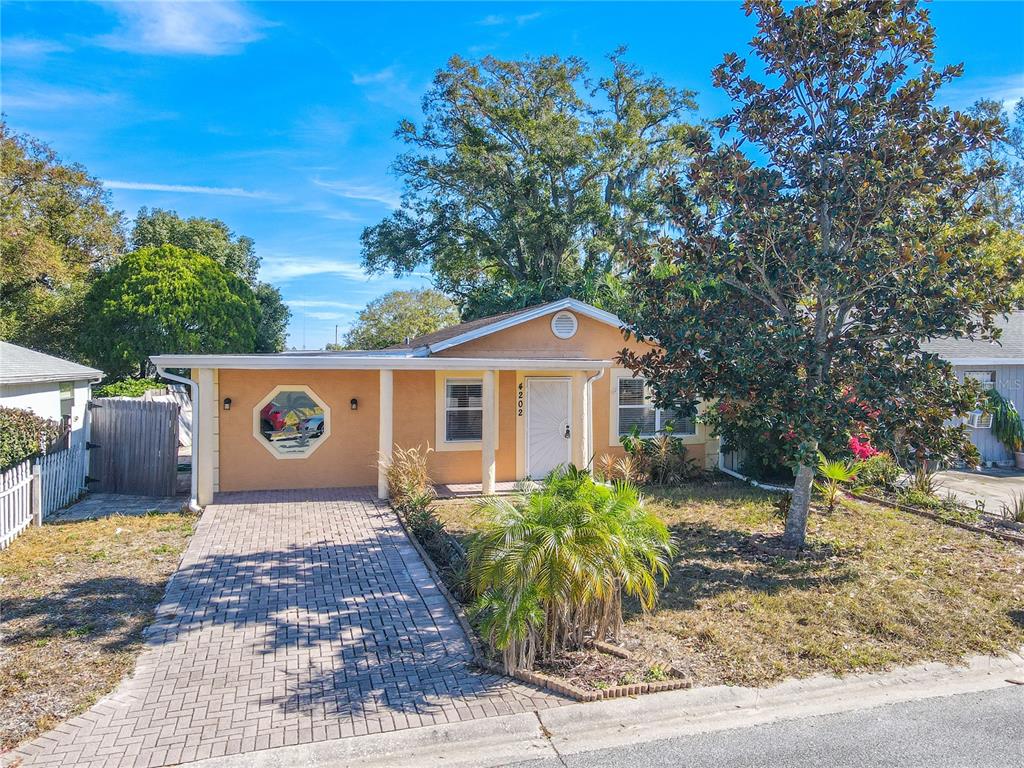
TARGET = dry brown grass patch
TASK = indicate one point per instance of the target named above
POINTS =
(894, 589)
(74, 599)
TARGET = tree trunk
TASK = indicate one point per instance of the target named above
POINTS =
(796, 521)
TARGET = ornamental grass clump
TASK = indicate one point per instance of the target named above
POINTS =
(549, 568)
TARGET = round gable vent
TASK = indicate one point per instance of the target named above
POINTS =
(564, 325)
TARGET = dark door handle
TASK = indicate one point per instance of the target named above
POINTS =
(566, 431)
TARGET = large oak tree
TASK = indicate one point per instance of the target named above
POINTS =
(827, 229)
(525, 179)
(57, 231)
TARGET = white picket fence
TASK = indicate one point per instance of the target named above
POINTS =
(37, 487)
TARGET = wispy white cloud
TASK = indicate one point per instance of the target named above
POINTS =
(1007, 89)
(356, 191)
(23, 95)
(386, 75)
(329, 315)
(188, 189)
(283, 268)
(388, 87)
(320, 304)
(15, 48)
(206, 29)
(496, 20)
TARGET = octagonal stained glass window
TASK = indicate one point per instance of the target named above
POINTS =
(291, 422)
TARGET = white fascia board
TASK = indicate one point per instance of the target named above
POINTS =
(369, 363)
(546, 309)
(969, 361)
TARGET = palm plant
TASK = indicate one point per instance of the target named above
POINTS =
(834, 474)
(549, 568)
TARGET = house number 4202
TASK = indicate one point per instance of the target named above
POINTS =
(519, 400)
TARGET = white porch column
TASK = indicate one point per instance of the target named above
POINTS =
(487, 436)
(385, 431)
(579, 419)
(204, 437)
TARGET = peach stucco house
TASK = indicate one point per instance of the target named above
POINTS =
(498, 399)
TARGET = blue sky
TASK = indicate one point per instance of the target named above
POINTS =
(278, 117)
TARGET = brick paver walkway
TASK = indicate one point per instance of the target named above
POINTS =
(295, 616)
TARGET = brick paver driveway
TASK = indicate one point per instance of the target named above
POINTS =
(295, 616)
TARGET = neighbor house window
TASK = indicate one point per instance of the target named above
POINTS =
(463, 410)
(978, 418)
(636, 411)
(67, 397)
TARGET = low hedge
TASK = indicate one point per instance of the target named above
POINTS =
(23, 435)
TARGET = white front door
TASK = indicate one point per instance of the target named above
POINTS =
(548, 439)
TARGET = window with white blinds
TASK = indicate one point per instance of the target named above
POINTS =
(463, 410)
(636, 409)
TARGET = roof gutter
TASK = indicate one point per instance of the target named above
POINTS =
(590, 415)
(193, 501)
(368, 363)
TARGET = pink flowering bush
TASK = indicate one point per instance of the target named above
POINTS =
(861, 448)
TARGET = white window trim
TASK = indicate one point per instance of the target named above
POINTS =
(314, 444)
(614, 438)
(441, 379)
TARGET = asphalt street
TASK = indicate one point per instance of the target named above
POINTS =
(975, 730)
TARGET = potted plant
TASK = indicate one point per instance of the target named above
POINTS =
(1006, 425)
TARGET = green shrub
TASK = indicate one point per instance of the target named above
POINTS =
(23, 434)
(549, 568)
(661, 460)
(127, 388)
(878, 471)
(834, 475)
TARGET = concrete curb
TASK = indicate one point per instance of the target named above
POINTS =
(579, 728)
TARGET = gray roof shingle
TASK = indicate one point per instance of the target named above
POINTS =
(19, 365)
(1009, 347)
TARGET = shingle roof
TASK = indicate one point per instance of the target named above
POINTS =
(19, 365)
(1009, 347)
(457, 330)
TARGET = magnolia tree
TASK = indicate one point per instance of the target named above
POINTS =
(827, 232)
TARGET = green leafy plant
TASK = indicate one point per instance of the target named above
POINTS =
(1014, 511)
(834, 475)
(23, 435)
(549, 568)
(878, 471)
(662, 459)
(128, 388)
(1006, 423)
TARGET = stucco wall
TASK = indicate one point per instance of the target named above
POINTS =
(534, 339)
(348, 456)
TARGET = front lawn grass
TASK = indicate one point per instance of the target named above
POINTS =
(892, 589)
(74, 599)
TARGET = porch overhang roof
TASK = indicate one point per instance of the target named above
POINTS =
(294, 362)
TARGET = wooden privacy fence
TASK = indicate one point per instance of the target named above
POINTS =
(134, 446)
(33, 489)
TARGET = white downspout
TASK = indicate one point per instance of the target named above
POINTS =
(193, 502)
(590, 417)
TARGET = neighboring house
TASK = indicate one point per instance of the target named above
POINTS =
(497, 399)
(48, 386)
(998, 365)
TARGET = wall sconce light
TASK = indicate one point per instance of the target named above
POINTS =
(227, 403)
(353, 404)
